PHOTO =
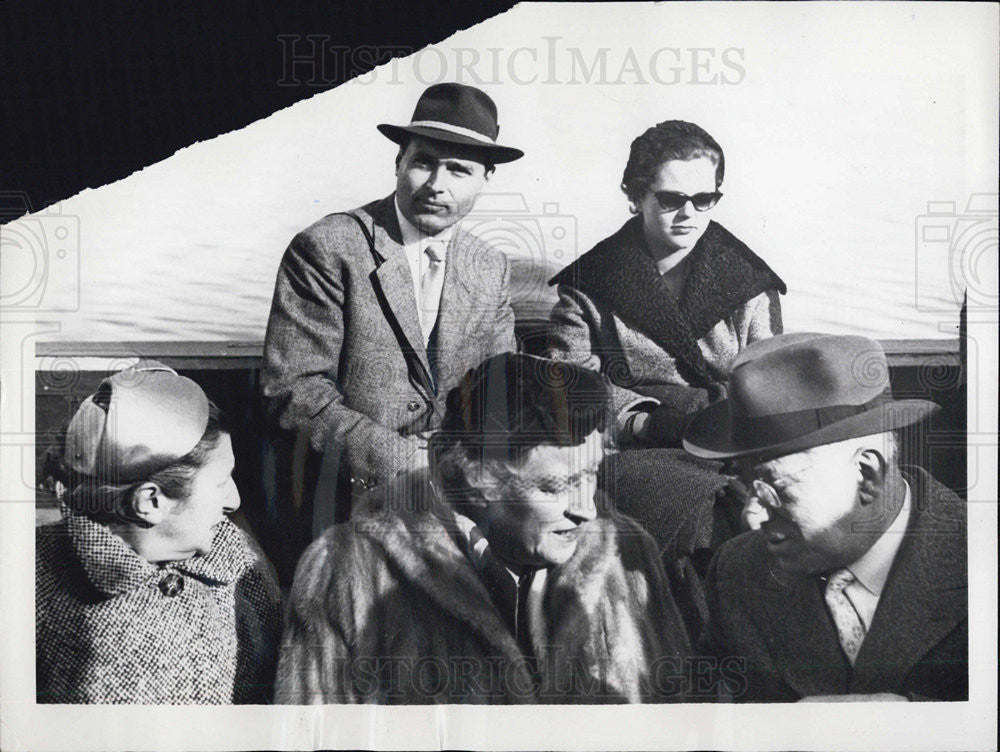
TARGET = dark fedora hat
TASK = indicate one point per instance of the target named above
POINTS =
(797, 391)
(456, 114)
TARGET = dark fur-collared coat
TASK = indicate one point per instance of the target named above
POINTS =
(388, 608)
(113, 628)
(616, 315)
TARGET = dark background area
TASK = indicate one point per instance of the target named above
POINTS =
(91, 92)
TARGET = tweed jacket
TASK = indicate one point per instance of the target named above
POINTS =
(389, 609)
(779, 624)
(335, 356)
(616, 315)
(113, 628)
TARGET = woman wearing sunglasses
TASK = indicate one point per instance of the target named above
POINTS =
(665, 305)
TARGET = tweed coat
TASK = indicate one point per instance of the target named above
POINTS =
(616, 315)
(335, 365)
(389, 609)
(779, 624)
(113, 628)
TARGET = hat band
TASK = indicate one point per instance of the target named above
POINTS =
(456, 129)
(766, 430)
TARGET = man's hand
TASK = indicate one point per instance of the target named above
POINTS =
(876, 697)
(419, 460)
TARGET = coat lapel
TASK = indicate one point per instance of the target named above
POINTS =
(457, 310)
(792, 616)
(620, 273)
(926, 595)
(396, 282)
(724, 274)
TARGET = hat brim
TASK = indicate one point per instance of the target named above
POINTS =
(709, 434)
(495, 153)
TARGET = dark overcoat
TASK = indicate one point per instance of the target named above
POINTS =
(780, 626)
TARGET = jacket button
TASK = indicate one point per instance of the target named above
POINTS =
(172, 584)
(413, 406)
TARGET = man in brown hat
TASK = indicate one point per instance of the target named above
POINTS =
(852, 583)
(379, 311)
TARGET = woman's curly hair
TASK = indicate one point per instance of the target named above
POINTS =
(509, 405)
(671, 139)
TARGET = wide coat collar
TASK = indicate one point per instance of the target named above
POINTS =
(427, 549)
(924, 599)
(460, 292)
(114, 568)
(723, 275)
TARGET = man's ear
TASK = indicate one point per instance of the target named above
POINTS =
(873, 466)
(488, 173)
(147, 504)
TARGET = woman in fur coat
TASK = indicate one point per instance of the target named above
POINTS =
(496, 579)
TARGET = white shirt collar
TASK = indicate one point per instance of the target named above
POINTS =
(412, 235)
(872, 569)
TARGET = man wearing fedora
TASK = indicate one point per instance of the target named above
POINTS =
(378, 312)
(852, 583)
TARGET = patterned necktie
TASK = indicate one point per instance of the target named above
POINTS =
(850, 628)
(430, 287)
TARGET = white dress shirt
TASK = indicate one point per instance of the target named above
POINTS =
(414, 243)
(872, 570)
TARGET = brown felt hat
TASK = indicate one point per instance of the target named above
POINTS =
(456, 114)
(797, 391)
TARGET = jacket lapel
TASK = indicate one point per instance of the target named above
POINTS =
(926, 594)
(724, 274)
(396, 282)
(792, 616)
(457, 310)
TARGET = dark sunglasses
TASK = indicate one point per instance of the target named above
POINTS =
(672, 201)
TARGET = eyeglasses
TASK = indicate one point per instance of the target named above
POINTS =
(765, 495)
(549, 484)
(672, 200)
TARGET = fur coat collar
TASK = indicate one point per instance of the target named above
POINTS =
(609, 620)
(723, 275)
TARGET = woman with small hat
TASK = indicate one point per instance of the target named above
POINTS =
(145, 591)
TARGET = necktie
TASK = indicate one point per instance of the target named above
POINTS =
(509, 595)
(430, 287)
(850, 629)
(521, 618)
